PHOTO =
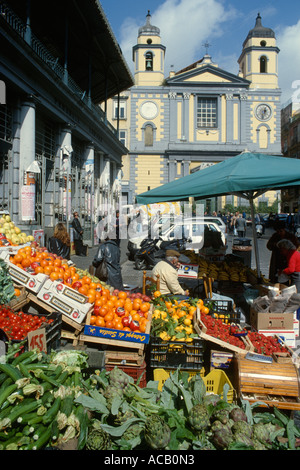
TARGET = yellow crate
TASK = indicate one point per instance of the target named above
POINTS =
(161, 375)
(214, 381)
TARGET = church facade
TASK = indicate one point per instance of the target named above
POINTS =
(197, 116)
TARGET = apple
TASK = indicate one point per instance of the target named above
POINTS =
(134, 325)
(126, 320)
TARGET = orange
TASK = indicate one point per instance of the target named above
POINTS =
(93, 285)
(136, 303)
(205, 310)
(57, 262)
(18, 258)
(200, 303)
(103, 311)
(118, 325)
(83, 290)
(135, 316)
(109, 324)
(26, 262)
(86, 280)
(126, 328)
(39, 269)
(145, 307)
(100, 321)
(48, 270)
(108, 317)
(142, 327)
(54, 276)
(106, 291)
(157, 293)
(17, 292)
(122, 295)
(110, 304)
(91, 298)
(93, 320)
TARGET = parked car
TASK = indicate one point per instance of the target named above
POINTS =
(196, 229)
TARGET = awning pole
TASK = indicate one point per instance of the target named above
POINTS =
(254, 236)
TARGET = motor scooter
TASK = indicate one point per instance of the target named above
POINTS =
(152, 251)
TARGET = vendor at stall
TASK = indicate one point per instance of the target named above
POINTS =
(168, 275)
(278, 262)
(292, 256)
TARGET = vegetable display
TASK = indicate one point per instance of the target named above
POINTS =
(17, 325)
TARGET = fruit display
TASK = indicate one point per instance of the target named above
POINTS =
(10, 234)
(17, 325)
(120, 310)
(172, 320)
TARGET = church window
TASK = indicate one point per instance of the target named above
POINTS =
(263, 64)
(207, 112)
(148, 135)
(149, 61)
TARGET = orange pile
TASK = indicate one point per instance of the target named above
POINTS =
(105, 311)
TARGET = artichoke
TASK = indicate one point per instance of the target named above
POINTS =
(243, 439)
(221, 415)
(121, 418)
(157, 432)
(118, 378)
(98, 439)
(241, 427)
(261, 432)
(112, 392)
(257, 445)
(211, 399)
(237, 414)
(199, 417)
(132, 432)
(222, 438)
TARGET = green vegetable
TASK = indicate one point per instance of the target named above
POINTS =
(52, 412)
(42, 440)
(70, 358)
(11, 371)
(6, 392)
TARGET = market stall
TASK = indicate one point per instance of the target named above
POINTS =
(166, 369)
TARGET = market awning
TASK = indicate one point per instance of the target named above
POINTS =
(247, 175)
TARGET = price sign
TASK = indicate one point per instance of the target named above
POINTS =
(37, 340)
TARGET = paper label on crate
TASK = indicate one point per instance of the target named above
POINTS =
(70, 293)
(37, 340)
(121, 335)
(188, 270)
(18, 275)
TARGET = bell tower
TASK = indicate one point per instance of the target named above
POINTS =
(259, 58)
(149, 56)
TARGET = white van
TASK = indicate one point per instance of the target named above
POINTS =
(191, 228)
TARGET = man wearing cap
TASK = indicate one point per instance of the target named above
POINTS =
(168, 275)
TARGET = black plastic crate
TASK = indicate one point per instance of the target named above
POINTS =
(223, 309)
(53, 331)
(174, 354)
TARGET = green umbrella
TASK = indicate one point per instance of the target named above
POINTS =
(247, 175)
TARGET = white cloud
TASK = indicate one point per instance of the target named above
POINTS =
(184, 25)
(288, 41)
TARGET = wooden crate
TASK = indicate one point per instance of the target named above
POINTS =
(117, 357)
(201, 329)
(18, 302)
(275, 384)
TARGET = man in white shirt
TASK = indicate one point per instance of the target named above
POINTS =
(168, 275)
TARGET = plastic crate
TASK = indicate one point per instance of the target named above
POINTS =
(53, 331)
(215, 381)
(174, 354)
(224, 310)
(161, 375)
(136, 372)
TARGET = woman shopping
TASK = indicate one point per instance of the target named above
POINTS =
(292, 256)
(59, 243)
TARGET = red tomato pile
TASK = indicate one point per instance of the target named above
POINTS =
(17, 325)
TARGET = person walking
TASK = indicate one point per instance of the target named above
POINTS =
(278, 261)
(241, 225)
(59, 243)
(292, 256)
(110, 252)
(80, 249)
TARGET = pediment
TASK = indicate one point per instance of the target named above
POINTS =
(198, 74)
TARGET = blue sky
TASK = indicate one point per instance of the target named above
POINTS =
(185, 25)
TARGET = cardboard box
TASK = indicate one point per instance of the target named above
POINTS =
(288, 336)
(220, 359)
(271, 321)
(74, 310)
(59, 288)
(266, 289)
